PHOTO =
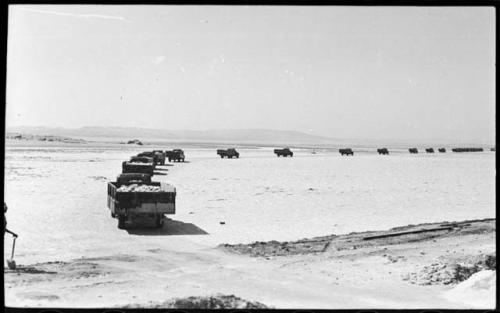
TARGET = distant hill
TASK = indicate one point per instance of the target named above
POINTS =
(263, 136)
(49, 138)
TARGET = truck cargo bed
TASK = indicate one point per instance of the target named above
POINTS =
(127, 203)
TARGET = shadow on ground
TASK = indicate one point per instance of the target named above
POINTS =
(170, 228)
(159, 173)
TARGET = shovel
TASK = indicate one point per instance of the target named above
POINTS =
(11, 263)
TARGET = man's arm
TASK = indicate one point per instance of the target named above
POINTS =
(13, 234)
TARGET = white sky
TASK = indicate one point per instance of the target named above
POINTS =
(342, 72)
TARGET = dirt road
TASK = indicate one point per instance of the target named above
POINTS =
(348, 272)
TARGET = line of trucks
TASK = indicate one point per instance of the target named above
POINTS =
(134, 196)
(286, 152)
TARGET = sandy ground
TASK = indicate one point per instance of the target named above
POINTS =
(71, 254)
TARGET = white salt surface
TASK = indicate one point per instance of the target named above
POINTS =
(478, 291)
(57, 197)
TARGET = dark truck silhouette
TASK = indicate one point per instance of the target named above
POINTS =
(283, 152)
(442, 150)
(144, 165)
(135, 196)
(176, 155)
(383, 151)
(229, 153)
(347, 151)
(467, 149)
(160, 155)
(429, 150)
(151, 154)
(413, 150)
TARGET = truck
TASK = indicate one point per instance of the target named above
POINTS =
(135, 197)
(347, 151)
(283, 152)
(160, 155)
(151, 154)
(383, 151)
(229, 153)
(176, 155)
(137, 164)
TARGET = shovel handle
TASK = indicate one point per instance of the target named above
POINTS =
(13, 246)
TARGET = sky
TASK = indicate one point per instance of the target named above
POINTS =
(335, 71)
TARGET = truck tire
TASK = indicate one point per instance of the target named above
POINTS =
(121, 222)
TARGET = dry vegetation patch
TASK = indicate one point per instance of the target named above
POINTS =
(218, 301)
(446, 272)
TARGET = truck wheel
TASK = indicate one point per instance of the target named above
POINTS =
(121, 222)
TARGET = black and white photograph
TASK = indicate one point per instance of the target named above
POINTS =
(250, 156)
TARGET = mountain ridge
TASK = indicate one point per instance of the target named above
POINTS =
(126, 133)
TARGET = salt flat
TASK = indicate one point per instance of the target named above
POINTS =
(57, 202)
(58, 194)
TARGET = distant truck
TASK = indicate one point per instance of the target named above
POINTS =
(137, 164)
(429, 150)
(442, 150)
(285, 152)
(467, 149)
(229, 153)
(160, 155)
(176, 155)
(347, 151)
(383, 151)
(413, 150)
(155, 156)
(135, 196)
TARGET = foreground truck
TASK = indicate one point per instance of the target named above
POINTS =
(135, 197)
(176, 155)
(228, 153)
(137, 164)
(283, 152)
